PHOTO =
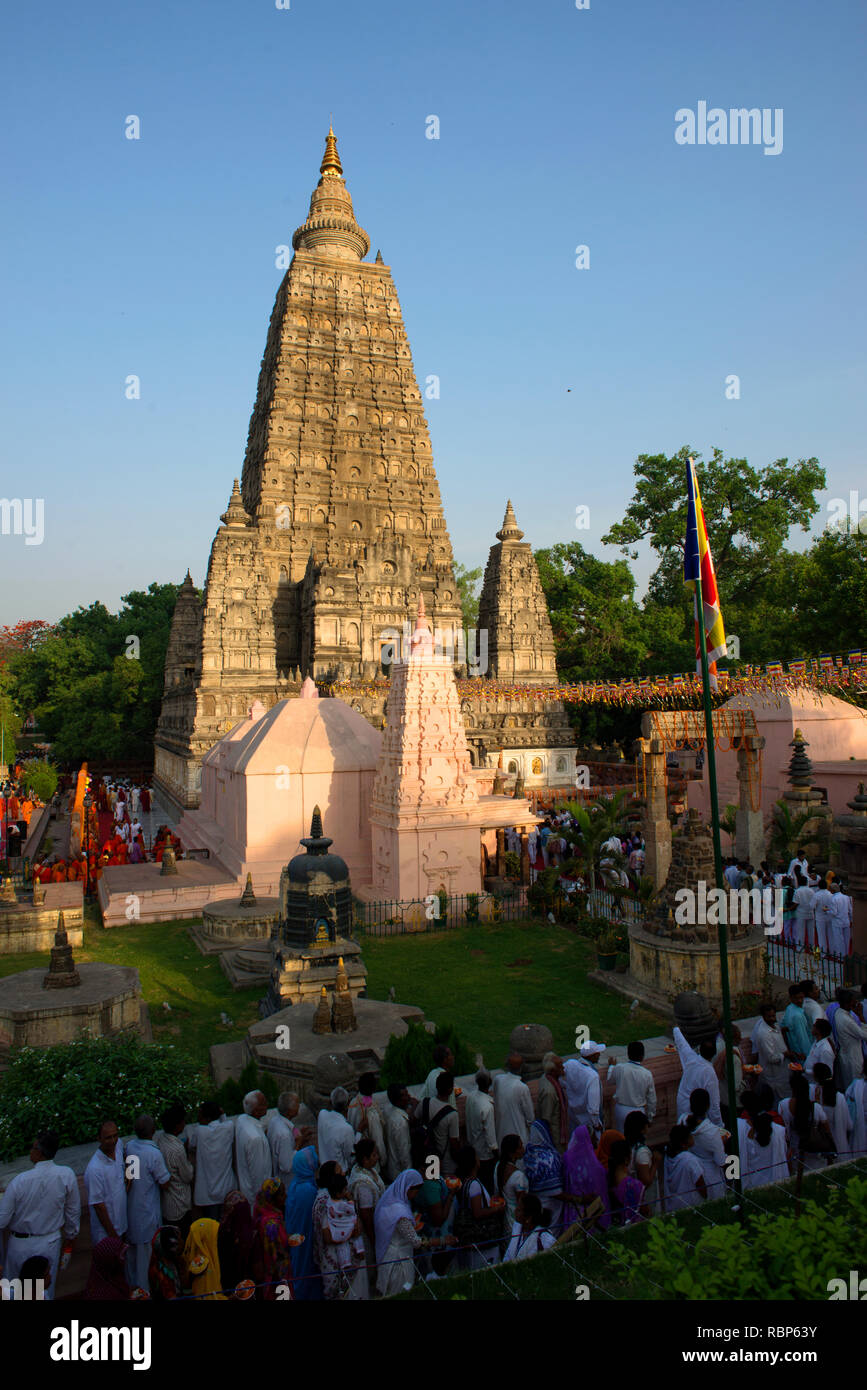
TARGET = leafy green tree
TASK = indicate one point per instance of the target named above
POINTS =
(468, 589)
(595, 619)
(41, 777)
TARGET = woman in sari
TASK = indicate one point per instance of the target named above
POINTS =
(202, 1259)
(603, 1151)
(235, 1240)
(330, 1169)
(107, 1279)
(164, 1273)
(625, 1193)
(396, 1237)
(543, 1166)
(272, 1261)
(299, 1219)
(584, 1178)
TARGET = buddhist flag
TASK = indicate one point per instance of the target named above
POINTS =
(697, 562)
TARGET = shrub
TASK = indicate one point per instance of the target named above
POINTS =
(410, 1058)
(512, 864)
(72, 1087)
(40, 776)
(231, 1094)
(472, 911)
(771, 1256)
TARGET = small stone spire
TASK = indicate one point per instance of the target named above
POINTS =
(510, 529)
(800, 767)
(316, 842)
(235, 516)
(421, 642)
(62, 973)
(331, 226)
(379, 260)
(308, 690)
(322, 1017)
(248, 897)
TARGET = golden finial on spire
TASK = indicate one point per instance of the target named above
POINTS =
(331, 160)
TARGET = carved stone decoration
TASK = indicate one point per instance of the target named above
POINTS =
(62, 973)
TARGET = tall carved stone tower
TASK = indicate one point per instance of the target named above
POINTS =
(534, 734)
(337, 526)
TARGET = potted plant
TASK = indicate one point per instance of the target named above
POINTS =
(606, 950)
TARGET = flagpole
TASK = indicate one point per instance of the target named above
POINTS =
(718, 875)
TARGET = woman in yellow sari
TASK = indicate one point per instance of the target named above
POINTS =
(202, 1259)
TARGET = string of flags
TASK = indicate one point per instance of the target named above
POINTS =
(829, 672)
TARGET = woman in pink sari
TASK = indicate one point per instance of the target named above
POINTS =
(583, 1176)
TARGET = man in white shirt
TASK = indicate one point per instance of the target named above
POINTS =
(633, 1086)
(773, 1056)
(822, 1049)
(39, 1208)
(444, 1060)
(177, 1198)
(281, 1136)
(823, 902)
(513, 1104)
(105, 1185)
(397, 1130)
(584, 1089)
(440, 1120)
(252, 1151)
(698, 1074)
(148, 1177)
(840, 922)
(799, 862)
(812, 1007)
(213, 1143)
(481, 1127)
(335, 1137)
(850, 1033)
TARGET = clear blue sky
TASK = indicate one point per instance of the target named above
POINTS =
(156, 256)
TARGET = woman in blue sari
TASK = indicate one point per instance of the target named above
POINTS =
(543, 1167)
(299, 1220)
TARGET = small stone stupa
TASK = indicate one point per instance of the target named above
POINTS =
(803, 799)
(61, 973)
(312, 939)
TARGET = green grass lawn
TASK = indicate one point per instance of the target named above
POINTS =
(171, 969)
(469, 977)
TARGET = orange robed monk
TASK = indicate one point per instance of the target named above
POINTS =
(58, 873)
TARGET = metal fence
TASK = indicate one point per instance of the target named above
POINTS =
(830, 972)
(394, 918)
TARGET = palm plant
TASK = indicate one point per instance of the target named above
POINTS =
(787, 831)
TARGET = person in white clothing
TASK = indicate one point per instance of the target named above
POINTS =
(698, 1074)
(148, 1177)
(105, 1185)
(708, 1145)
(281, 1136)
(529, 1236)
(212, 1141)
(443, 1059)
(633, 1086)
(822, 910)
(840, 922)
(38, 1209)
(368, 1119)
(683, 1176)
(849, 1035)
(833, 1102)
(799, 862)
(513, 1104)
(584, 1089)
(812, 1007)
(481, 1127)
(252, 1151)
(763, 1147)
(822, 1049)
(803, 927)
(773, 1055)
(397, 1130)
(335, 1137)
(856, 1099)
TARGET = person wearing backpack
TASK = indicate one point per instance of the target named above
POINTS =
(438, 1129)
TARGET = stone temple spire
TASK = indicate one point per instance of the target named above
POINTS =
(331, 228)
(235, 514)
(510, 529)
(513, 610)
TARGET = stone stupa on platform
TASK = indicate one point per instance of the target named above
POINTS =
(62, 973)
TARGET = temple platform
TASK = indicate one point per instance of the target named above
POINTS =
(142, 893)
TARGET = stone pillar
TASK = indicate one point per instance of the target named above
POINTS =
(657, 827)
(749, 825)
(531, 1041)
(501, 854)
(525, 857)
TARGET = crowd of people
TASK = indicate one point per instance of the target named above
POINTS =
(17, 804)
(113, 834)
(381, 1189)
